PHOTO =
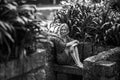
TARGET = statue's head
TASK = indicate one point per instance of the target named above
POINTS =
(64, 30)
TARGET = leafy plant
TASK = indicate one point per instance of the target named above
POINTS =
(92, 23)
(76, 16)
(17, 30)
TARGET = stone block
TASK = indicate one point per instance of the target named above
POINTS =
(94, 70)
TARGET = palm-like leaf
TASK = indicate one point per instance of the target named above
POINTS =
(6, 29)
(9, 12)
(16, 30)
(6, 36)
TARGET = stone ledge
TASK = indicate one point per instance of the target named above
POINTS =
(103, 66)
(110, 55)
(67, 69)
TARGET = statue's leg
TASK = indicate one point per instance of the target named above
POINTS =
(80, 64)
(75, 56)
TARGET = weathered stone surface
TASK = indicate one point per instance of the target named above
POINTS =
(49, 72)
(102, 66)
(110, 55)
(2, 71)
(38, 75)
(49, 61)
(98, 49)
(94, 71)
(19, 67)
(36, 66)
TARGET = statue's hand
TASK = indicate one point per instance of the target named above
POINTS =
(72, 43)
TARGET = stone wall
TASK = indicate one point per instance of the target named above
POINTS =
(32, 67)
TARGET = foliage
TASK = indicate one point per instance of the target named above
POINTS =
(96, 23)
(76, 17)
(18, 30)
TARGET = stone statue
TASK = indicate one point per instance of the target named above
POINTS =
(65, 48)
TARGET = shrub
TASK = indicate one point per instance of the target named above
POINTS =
(18, 30)
(98, 24)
